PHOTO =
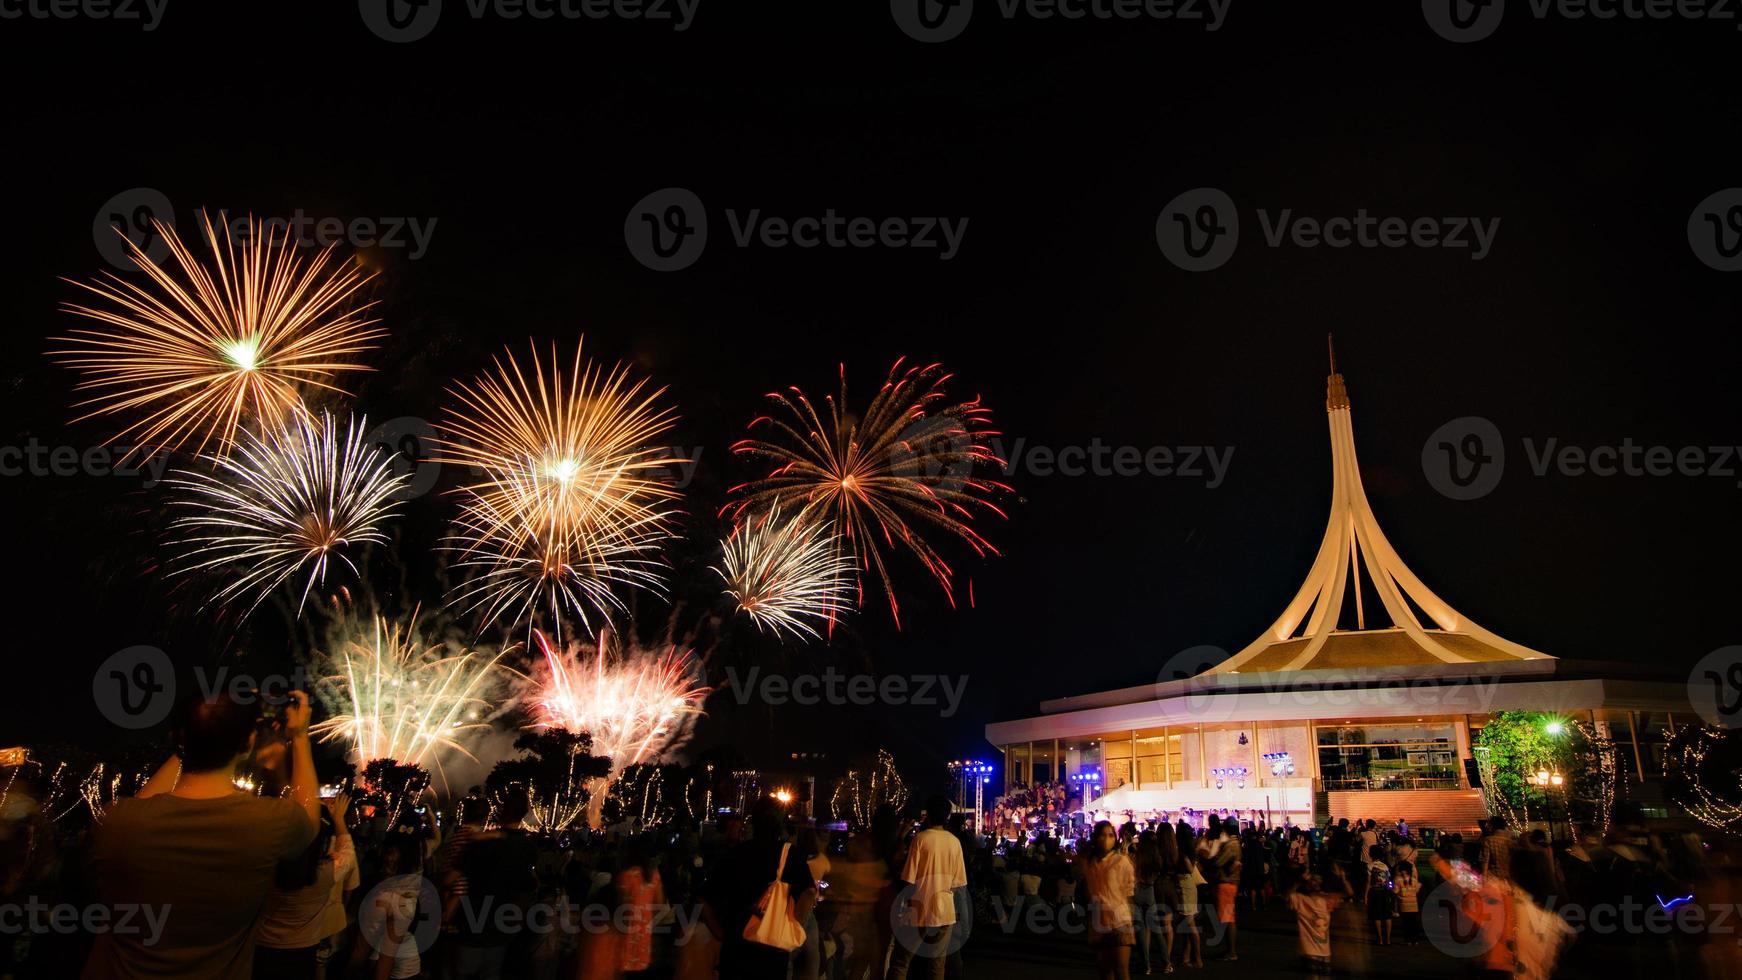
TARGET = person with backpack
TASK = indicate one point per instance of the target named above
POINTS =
(1381, 895)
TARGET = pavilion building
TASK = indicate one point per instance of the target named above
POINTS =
(1315, 721)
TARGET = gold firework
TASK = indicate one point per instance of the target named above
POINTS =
(217, 343)
(907, 467)
(401, 698)
(573, 496)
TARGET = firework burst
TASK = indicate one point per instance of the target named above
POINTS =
(574, 498)
(217, 343)
(904, 469)
(787, 573)
(399, 697)
(283, 505)
(636, 707)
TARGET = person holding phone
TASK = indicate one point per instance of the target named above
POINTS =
(196, 854)
(305, 912)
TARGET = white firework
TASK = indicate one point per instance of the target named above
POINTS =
(787, 574)
(282, 505)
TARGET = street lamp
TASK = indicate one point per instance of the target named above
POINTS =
(1544, 780)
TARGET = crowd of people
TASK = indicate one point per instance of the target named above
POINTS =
(196, 878)
(1024, 809)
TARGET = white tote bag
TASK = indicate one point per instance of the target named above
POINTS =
(773, 923)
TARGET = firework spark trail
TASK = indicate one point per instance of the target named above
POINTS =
(217, 343)
(284, 503)
(784, 573)
(407, 701)
(636, 707)
(510, 570)
(906, 467)
(574, 498)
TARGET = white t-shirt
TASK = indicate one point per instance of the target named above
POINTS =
(1111, 881)
(399, 897)
(935, 869)
(1368, 840)
(1313, 920)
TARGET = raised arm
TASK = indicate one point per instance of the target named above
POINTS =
(304, 786)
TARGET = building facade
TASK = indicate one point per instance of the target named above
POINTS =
(1324, 716)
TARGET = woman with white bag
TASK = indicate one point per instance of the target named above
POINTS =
(758, 898)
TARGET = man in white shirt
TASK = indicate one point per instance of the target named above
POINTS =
(933, 872)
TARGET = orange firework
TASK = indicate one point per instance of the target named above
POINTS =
(216, 344)
(573, 495)
(905, 468)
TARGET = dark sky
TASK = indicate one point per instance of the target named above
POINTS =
(1589, 321)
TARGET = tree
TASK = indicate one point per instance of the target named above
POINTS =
(556, 769)
(1517, 745)
(391, 786)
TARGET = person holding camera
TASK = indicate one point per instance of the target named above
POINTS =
(188, 862)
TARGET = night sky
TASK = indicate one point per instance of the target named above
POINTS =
(1590, 320)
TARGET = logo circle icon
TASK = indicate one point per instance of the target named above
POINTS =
(935, 450)
(1715, 687)
(1199, 229)
(130, 214)
(401, 909)
(1463, 21)
(931, 21)
(400, 21)
(922, 941)
(411, 440)
(135, 687)
(1449, 928)
(667, 229)
(1715, 230)
(1204, 698)
(1465, 458)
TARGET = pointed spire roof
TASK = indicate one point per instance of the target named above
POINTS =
(1424, 629)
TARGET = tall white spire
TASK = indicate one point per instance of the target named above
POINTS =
(1353, 541)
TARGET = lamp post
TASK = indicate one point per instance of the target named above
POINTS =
(1544, 781)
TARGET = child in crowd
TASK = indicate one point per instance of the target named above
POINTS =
(1408, 886)
(1381, 895)
(1313, 904)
